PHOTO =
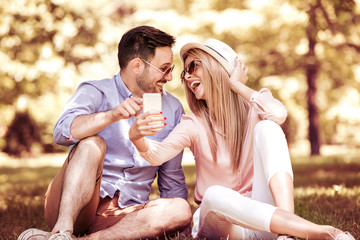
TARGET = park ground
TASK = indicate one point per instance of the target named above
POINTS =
(327, 190)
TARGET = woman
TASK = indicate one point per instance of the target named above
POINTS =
(244, 178)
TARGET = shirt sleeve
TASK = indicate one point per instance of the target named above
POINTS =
(268, 107)
(86, 100)
(171, 178)
(179, 138)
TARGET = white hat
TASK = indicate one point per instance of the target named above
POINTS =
(224, 54)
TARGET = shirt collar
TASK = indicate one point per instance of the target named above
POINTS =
(122, 88)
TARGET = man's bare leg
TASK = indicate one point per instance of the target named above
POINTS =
(78, 188)
(157, 218)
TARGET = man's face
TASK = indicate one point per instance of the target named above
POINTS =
(152, 80)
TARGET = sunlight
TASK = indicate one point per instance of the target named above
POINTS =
(302, 47)
(259, 4)
(245, 19)
(329, 191)
(357, 73)
(348, 106)
(22, 102)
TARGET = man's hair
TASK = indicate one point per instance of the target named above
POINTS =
(141, 42)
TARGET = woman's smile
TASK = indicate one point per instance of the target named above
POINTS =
(194, 85)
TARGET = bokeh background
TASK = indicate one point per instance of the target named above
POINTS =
(307, 52)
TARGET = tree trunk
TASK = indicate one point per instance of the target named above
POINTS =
(312, 67)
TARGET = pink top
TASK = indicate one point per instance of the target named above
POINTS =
(190, 132)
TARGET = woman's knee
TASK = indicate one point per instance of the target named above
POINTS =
(215, 197)
(268, 131)
(267, 126)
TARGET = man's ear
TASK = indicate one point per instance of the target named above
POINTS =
(137, 66)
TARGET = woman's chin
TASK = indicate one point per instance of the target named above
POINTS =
(200, 97)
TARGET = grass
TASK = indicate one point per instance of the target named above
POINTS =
(327, 191)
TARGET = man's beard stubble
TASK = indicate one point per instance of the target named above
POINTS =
(145, 84)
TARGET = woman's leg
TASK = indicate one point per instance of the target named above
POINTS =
(226, 213)
(286, 222)
(273, 176)
(273, 184)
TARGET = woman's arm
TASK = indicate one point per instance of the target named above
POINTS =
(146, 124)
(238, 79)
(263, 102)
(155, 152)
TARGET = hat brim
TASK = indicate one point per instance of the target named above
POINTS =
(228, 67)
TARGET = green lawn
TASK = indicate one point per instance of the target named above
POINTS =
(327, 191)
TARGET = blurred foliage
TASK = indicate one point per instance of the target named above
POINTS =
(50, 46)
(22, 136)
(44, 44)
(38, 39)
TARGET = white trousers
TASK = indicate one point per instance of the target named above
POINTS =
(225, 213)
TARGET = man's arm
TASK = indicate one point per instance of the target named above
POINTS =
(82, 115)
(88, 125)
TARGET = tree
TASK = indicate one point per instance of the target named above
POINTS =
(38, 39)
(43, 43)
(305, 51)
(276, 48)
(338, 18)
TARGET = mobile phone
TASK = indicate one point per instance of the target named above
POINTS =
(152, 101)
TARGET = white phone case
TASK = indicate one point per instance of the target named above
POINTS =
(152, 101)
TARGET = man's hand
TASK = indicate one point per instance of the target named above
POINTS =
(129, 108)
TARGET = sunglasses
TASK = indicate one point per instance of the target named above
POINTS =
(166, 72)
(190, 69)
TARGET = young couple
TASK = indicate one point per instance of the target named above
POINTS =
(244, 179)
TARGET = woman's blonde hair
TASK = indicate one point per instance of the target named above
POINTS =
(223, 109)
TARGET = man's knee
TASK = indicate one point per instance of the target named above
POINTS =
(178, 209)
(184, 209)
(92, 148)
(95, 143)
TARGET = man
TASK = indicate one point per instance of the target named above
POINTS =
(104, 185)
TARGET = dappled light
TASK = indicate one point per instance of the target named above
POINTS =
(55, 45)
(306, 52)
(335, 190)
(22, 191)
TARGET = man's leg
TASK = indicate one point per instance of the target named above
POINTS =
(156, 218)
(73, 195)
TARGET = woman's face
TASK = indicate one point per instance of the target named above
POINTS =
(192, 76)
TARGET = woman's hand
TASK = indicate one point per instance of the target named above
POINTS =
(239, 75)
(238, 79)
(147, 124)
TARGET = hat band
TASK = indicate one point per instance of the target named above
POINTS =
(217, 52)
